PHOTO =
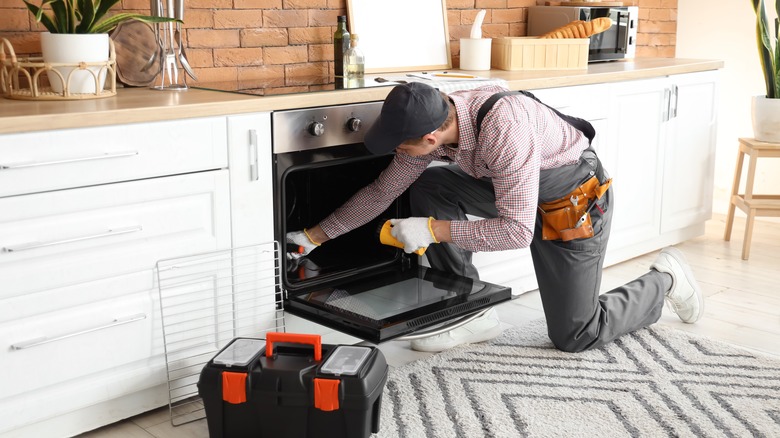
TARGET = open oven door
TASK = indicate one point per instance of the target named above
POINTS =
(392, 303)
(355, 284)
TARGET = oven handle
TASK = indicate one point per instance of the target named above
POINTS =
(444, 328)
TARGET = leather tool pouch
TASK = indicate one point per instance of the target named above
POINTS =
(560, 217)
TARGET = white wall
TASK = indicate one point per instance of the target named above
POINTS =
(725, 29)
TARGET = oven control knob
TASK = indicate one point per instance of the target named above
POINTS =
(316, 129)
(354, 124)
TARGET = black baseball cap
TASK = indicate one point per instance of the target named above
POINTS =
(410, 111)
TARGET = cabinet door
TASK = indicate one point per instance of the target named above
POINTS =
(252, 219)
(251, 179)
(633, 156)
(690, 151)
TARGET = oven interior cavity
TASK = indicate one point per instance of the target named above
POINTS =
(311, 193)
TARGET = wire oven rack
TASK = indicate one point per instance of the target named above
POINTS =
(206, 300)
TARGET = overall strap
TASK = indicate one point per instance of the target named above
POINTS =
(581, 125)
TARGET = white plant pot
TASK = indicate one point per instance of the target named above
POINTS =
(766, 119)
(73, 49)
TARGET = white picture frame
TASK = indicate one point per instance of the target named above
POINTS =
(401, 35)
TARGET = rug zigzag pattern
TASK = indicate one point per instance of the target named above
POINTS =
(655, 382)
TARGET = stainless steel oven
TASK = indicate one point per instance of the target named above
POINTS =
(618, 42)
(353, 283)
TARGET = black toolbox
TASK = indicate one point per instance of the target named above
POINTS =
(291, 385)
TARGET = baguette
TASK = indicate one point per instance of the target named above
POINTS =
(580, 29)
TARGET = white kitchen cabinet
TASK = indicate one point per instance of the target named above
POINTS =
(252, 219)
(251, 182)
(660, 152)
(79, 240)
(689, 160)
(633, 156)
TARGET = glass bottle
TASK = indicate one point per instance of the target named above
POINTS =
(340, 46)
(354, 61)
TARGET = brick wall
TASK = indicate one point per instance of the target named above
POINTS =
(269, 40)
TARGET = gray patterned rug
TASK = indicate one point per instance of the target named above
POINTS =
(653, 383)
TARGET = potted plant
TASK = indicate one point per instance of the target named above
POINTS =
(766, 109)
(78, 32)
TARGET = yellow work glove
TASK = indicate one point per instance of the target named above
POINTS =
(415, 233)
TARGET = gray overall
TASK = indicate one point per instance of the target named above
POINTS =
(568, 273)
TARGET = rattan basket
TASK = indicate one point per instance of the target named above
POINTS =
(22, 78)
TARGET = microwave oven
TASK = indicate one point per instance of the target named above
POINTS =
(617, 42)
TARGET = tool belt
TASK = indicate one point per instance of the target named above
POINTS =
(568, 218)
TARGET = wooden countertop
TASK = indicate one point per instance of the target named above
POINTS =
(138, 105)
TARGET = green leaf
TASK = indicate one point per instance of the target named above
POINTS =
(110, 23)
(765, 48)
(84, 16)
(40, 17)
(101, 9)
(75, 16)
(87, 16)
(61, 15)
(777, 50)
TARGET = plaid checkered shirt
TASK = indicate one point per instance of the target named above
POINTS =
(519, 137)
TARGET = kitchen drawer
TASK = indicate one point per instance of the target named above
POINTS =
(67, 238)
(589, 102)
(52, 160)
(45, 350)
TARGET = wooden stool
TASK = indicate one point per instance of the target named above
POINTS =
(753, 205)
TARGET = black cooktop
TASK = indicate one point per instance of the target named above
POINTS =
(293, 85)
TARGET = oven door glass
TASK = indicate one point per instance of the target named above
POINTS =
(393, 303)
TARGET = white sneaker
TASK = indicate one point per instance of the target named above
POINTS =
(480, 329)
(685, 297)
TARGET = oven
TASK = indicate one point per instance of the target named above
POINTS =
(354, 284)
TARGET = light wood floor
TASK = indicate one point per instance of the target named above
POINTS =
(742, 297)
(742, 307)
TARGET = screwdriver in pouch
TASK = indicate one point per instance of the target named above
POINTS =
(584, 216)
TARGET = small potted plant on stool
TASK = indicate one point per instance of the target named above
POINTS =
(766, 109)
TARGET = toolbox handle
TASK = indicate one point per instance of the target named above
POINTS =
(295, 338)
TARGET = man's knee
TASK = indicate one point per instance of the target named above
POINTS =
(572, 342)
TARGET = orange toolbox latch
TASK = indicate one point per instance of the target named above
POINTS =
(234, 387)
(326, 394)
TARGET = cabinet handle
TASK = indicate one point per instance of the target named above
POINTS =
(34, 245)
(45, 340)
(254, 173)
(675, 92)
(666, 104)
(66, 160)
